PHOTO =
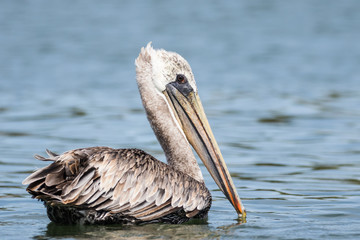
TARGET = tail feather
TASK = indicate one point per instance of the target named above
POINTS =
(51, 154)
(43, 172)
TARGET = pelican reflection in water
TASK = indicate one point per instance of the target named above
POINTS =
(106, 185)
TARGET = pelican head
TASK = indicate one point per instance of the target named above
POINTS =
(166, 81)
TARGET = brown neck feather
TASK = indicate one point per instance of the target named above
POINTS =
(176, 147)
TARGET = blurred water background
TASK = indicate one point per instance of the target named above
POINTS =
(279, 81)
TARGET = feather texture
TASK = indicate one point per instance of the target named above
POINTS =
(100, 185)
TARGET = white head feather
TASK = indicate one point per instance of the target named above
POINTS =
(164, 66)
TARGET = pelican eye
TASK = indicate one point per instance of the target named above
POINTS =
(181, 84)
(180, 78)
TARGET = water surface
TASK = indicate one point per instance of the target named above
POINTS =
(279, 81)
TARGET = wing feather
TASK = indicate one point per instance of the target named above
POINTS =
(128, 182)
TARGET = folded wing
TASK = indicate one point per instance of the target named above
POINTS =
(118, 182)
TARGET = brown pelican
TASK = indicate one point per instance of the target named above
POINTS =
(105, 185)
